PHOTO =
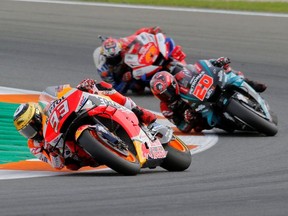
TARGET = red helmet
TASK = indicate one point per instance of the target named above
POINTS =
(164, 86)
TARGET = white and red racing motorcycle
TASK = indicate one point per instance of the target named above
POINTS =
(144, 56)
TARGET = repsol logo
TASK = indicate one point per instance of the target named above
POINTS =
(54, 104)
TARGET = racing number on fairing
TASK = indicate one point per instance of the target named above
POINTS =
(202, 87)
(150, 54)
(60, 111)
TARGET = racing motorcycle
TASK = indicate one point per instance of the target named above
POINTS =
(108, 133)
(146, 55)
(225, 100)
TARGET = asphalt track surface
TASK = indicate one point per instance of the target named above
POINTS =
(243, 174)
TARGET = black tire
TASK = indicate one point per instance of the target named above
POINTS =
(254, 120)
(178, 157)
(105, 155)
(274, 117)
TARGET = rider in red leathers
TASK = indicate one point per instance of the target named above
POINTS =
(108, 60)
(28, 122)
(166, 88)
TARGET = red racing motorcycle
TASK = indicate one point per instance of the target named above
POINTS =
(149, 53)
(144, 56)
(108, 133)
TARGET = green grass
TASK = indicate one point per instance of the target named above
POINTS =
(13, 146)
(257, 6)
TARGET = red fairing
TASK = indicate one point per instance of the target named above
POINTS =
(59, 112)
(62, 108)
(106, 85)
(148, 53)
(124, 117)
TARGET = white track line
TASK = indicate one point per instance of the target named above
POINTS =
(196, 10)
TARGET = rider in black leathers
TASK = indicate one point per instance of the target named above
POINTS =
(166, 87)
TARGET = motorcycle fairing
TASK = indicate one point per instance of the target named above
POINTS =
(130, 124)
(144, 72)
(98, 105)
(202, 86)
(144, 51)
(60, 110)
(245, 87)
(150, 148)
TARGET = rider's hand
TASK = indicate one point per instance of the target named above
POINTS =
(188, 116)
(87, 85)
(127, 76)
(154, 30)
(223, 62)
(178, 53)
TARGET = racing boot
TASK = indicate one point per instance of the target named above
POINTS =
(201, 124)
(258, 87)
(72, 164)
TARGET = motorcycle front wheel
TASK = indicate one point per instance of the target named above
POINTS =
(178, 157)
(102, 152)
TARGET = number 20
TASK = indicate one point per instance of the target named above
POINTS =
(202, 87)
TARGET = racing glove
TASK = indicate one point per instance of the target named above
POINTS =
(144, 116)
(154, 30)
(189, 116)
(223, 62)
(178, 53)
(151, 30)
(127, 76)
(88, 85)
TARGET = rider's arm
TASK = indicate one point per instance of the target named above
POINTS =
(102, 67)
(143, 115)
(224, 62)
(106, 74)
(175, 118)
(38, 150)
(151, 30)
(126, 41)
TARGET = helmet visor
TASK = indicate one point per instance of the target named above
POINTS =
(114, 60)
(28, 131)
(168, 95)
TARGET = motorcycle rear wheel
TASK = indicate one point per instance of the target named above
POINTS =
(251, 118)
(105, 154)
(178, 157)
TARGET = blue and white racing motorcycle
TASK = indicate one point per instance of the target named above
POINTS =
(226, 101)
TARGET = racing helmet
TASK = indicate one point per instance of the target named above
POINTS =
(112, 51)
(28, 121)
(164, 86)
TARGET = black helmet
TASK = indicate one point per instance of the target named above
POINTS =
(28, 121)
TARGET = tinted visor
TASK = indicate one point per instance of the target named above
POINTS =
(168, 95)
(115, 60)
(33, 128)
(28, 131)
